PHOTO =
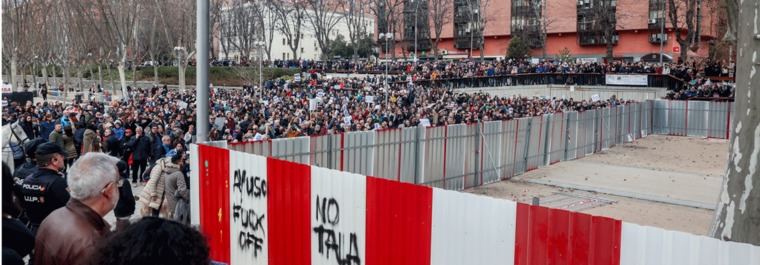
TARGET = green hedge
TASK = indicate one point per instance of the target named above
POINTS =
(223, 76)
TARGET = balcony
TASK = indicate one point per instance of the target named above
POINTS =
(655, 24)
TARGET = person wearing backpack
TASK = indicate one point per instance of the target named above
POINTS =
(154, 195)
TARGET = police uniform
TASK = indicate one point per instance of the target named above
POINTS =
(29, 167)
(44, 191)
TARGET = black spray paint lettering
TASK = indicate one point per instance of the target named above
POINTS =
(253, 230)
(329, 210)
(254, 185)
(330, 240)
(252, 234)
(248, 218)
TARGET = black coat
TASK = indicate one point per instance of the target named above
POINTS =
(141, 148)
(113, 145)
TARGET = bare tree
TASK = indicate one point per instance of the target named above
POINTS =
(738, 212)
(603, 26)
(356, 23)
(290, 15)
(441, 11)
(15, 18)
(114, 22)
(240, 22)
(179, 31)
(219, 25)
(267, 24)
(684, 18)
(388, 14)
(323, 16)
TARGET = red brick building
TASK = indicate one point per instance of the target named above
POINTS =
(637, 24)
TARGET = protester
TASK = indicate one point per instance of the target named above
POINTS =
(155, 241)
(69, 146)
(125, 208)
(18, 241)
(140, 146)
(177, 193)
(45, 190)
(56, 136)
(70, 234)
(153, 197)
(91, 141)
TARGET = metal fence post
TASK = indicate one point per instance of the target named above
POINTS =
(418, 159)
(478, 152)
(526, 152)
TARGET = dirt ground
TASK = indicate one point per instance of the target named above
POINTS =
(660, 181)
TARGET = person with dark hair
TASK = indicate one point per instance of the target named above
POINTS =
(30, 166)
(18, 241)
(177, 194)
(141, 146)
(125, 208)
(45, 190)
(155, 241)
(68, 146)
(91, 140)
(56, 136)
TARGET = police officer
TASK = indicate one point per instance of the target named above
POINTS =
(30, 166)
(45, 190)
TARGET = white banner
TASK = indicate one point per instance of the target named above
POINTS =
(629, 80)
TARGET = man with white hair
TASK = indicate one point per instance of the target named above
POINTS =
(70, 234)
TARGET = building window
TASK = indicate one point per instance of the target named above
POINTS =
(468, 33)
(301, 49)
(283, 56)
(283, 41)
(525, 22)
(596, 22)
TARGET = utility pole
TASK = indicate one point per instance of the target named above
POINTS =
(201, 73)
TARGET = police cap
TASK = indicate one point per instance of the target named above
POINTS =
(49, 148)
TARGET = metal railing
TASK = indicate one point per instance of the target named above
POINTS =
(462, 156)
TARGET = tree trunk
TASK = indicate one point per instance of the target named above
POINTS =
(737, 217)
(110, 76)
(121, 67)
(92, 75)
(45, 76)
(79, 79)
(34, 75)
(66, 74)
(609, 47)
(181, 76)
(684, 54)
(100, 75)
(14, 58)
(134, 74)
(55, 76)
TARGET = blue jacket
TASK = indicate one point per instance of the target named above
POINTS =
(46, 127)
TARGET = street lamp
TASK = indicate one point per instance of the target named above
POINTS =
(259, 45)
(388, 37)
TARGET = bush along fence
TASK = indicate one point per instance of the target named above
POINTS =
(259, 210)
(467, 155)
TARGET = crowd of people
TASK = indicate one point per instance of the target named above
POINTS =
(82, 155)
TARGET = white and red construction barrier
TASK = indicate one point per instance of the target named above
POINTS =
(258, 210)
